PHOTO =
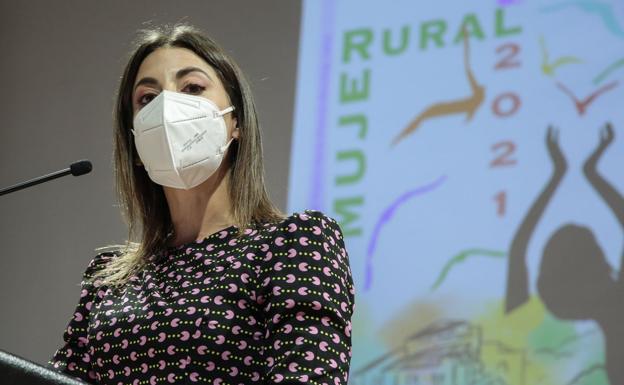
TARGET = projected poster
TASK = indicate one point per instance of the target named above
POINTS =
(473, 153)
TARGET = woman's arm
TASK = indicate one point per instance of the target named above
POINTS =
(609, 194)
(73, 357)
(517, 275)
(308, 302)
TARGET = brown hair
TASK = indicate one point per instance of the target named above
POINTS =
(143, 203)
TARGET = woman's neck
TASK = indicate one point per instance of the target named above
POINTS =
(202, 210)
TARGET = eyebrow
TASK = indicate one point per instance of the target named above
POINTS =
(180, 74)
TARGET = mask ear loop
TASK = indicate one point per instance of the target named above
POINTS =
(134, 134)
(221, 113)
(225, 147)
(224, 111)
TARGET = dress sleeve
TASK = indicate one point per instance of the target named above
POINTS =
(73, 357)
(307, 295)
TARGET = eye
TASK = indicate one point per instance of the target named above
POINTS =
(193, 88)
(144, 99)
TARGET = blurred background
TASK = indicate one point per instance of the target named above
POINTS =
(472, 154)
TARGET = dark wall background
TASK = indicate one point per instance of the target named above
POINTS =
(60, 65)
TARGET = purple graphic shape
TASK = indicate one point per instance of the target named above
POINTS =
(386, 215)
(317, 189)
(505, 3)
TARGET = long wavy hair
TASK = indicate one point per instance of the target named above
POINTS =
(143, 203)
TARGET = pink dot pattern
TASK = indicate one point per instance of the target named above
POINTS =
(273, 306)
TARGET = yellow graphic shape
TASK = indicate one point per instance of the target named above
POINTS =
(531, 346)
(549, 67)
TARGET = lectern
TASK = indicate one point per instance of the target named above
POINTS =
(16, 370)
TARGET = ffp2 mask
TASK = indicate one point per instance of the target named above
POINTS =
(180, 138)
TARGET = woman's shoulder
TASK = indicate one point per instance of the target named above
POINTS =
(98, 262)
(309, 222)
(308, 243)
(305, 217)
(306, 230)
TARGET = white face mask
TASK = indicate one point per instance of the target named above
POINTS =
(180, 138)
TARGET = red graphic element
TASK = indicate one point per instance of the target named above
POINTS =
(504, 159)
(508, 61)
(501, 203)
(582, 105)
(514, 101)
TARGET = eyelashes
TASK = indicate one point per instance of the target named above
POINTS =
(141, 102)
(196, 88)
(191, 88)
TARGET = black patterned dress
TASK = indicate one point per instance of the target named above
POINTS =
(273, 306)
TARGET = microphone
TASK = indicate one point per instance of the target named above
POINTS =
(78, 168)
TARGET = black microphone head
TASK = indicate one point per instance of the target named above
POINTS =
(80, 168)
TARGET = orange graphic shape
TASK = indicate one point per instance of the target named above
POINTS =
(468, 105)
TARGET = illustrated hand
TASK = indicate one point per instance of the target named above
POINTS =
(606, 138)
(552, 143)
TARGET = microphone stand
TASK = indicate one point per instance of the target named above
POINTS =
(76, 169)
(15, 370)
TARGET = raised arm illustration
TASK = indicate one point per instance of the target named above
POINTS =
(517, 292)
(609, 194)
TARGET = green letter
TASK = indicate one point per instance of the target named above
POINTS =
(439, 27)
(353, 93)
(500, 25)
(472, 26)
(365, 38)
(359, 119)
(358, 157)
(391, 51)
(346, 216)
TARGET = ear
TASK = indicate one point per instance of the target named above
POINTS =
(236, 132)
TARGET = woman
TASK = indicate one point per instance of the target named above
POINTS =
(575, 281)
(221, 288)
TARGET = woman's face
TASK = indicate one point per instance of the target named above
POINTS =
(180, 70)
